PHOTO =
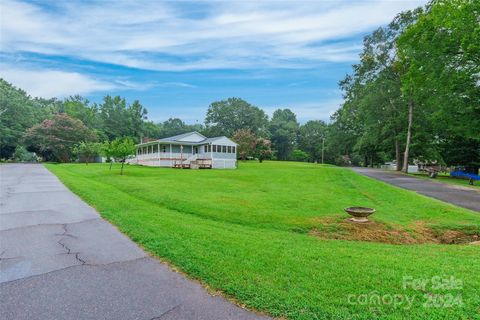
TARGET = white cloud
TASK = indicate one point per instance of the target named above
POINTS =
(173, 36)
(52, 83)
(176, 85)
(130, 85)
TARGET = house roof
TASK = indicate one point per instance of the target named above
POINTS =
(179, 137)
(182, 138)
(212, 140)
(196, 139)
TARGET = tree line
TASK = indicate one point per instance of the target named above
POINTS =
(63, 130)
(414, 95)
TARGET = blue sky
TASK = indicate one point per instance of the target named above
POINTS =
(177, 57)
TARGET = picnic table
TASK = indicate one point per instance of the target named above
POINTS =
(431, 169)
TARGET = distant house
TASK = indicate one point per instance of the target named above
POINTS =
(393, 167)
(188, 150)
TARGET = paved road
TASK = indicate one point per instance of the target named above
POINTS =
(457, 195)
(60, 260)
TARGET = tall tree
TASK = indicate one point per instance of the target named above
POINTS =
(283, 129)
(137, 116)
(122, 120)
(54, 138)
(247, 141)
(439, 56)
(18, 112)
(114, 117)
(227, 116)
(311, 138)
(375, 111)
(174, 126)
(80, 108)
(150, 130)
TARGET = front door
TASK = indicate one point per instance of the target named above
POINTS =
(195, 150)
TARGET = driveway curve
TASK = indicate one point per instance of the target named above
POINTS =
(457, 195)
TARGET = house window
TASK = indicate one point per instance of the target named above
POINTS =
(229, 149)
(233, 149)
(155, 148)
(224, 149)
(214, 148)
(164, 148)
(144, 150)
(205, 148)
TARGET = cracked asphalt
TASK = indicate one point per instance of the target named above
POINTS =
(60, 260)
(457, 195)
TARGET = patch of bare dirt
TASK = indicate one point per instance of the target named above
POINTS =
(458, 237)
(373, 231)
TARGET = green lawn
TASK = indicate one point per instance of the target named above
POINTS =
(265, 235)
(446, 178)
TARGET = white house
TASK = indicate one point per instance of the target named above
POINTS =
(188, 150)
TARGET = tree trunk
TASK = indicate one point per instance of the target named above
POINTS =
(409, 135)
(398, 156)
(111, 162)
(121, 170)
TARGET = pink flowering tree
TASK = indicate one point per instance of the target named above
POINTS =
(55, 138)
(263, 149)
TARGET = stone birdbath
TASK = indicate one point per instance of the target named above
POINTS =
(359, 214)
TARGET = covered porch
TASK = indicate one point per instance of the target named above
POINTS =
(172, 155)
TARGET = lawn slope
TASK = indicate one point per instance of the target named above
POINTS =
(250, 233)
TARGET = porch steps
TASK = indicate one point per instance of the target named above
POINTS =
(194, 164)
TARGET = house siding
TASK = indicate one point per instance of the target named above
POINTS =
(224, 164)
(164, 154)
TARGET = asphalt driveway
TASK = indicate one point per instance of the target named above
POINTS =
(460, 196)
(60, 260)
